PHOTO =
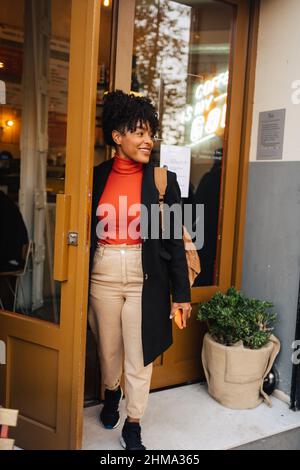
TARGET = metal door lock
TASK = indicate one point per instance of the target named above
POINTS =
(73, 238)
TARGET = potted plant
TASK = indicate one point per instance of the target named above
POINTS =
(239, 348)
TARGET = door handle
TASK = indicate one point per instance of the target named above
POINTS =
(62, 223)
(2, 352)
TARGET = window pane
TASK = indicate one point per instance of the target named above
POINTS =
(33, 150)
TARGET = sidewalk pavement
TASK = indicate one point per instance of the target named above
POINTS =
(188, 418)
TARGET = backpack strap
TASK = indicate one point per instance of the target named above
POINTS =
(160, 179)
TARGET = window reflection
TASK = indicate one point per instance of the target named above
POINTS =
(181, 57)
(32, 150)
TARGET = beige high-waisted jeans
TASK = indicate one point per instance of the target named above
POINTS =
(115, 317)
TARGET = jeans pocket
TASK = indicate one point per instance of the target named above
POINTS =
(97, 258)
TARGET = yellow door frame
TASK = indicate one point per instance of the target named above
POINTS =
(80, 156)
(239, 233)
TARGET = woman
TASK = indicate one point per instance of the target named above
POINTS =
(130, 271)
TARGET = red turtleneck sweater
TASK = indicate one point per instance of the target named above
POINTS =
(119, 206)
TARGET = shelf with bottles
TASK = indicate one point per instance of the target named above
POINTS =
(102, 83)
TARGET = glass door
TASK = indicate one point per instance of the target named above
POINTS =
(49, 58)
(182, 62)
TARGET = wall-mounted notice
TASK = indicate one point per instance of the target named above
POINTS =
(178, 159)
(271, 135)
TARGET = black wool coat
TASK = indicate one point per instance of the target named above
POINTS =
(164, 262)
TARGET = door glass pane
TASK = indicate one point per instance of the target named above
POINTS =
(104, 78)
(33, 149)
(181, 59)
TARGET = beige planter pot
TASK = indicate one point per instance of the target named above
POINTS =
(235, 374)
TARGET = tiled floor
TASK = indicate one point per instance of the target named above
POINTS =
(188, 418)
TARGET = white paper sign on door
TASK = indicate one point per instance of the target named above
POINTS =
(178, 159)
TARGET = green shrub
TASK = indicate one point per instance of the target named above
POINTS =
(233, 317)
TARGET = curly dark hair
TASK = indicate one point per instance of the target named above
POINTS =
(123, 112)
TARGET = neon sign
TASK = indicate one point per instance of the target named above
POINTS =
(208, 114)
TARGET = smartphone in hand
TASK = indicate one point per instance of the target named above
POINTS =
(178, 318)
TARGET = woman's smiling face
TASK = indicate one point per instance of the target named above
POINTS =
(135, 145)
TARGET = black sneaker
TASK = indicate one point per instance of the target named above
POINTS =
(110, 416)
(131, 436)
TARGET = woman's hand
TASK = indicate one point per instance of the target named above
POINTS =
(186, 311)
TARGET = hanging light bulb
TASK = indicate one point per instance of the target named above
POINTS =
(106, 3)
(10, 123)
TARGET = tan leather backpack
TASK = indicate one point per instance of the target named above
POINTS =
(192, 257)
